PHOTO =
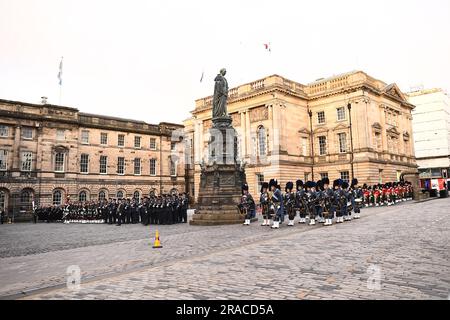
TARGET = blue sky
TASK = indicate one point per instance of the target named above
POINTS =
(144, 59)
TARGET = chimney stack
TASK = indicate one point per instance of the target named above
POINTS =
(44, 100)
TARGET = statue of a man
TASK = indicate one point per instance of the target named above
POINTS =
(220, 95)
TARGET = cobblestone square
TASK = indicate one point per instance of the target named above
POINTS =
(397, 252)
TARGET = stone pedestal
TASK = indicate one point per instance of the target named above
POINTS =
(221, 178)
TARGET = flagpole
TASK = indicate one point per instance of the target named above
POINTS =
(60, 79)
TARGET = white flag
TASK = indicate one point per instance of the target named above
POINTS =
(60, 71)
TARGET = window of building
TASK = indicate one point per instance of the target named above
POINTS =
(59, 162)
(153, 167)
(119, 194)
(82, 196)
(262, 141)
(342, 138)
(377, 142)
(304, 146)
(60, 134)
(137, 141)
(136, 195)
(103, 138)
(26, 160)
(259, 180)
(340, 113)
(25, 197)
(173, 146)
(323, 175)
(4, 131)
(322, 145)
(84, 163)
(3, 160)
(173, 167)
(103, 164)
(57, 197)
(137, 165)
(27, 133)
(120, 165)
(321, 117)
(306, 176)
(101, 195)
(121, 140)
(84, 136)
(152, 143)
(345, 176)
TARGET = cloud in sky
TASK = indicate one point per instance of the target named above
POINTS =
(144, 59)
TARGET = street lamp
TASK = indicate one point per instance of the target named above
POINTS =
(349, 106)
(312, 144)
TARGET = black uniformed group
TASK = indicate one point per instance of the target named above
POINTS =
(318, 201)
(162, 209)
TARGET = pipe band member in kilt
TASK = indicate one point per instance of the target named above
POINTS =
(300, 206)
(356, 198)
(310, 201)
(289, 202)
(319, 202)
(329, 203)
(247, 205)
(347, 214)
(278, 205)
(340, 200)
(265, 203)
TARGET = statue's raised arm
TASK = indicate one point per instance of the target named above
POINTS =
(220, 97)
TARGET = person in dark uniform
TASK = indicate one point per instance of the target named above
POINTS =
(184, 206)
(120, 213)
(2, 215)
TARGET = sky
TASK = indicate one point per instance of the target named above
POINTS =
(144, 59)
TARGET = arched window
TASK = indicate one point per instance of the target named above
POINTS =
(57, 197)
(101, 195)
(82, 196)
(119, 194)
(25, 197)
(136, 195)
(262, 141)
(2, 200)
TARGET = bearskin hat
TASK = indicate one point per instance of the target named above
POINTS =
(354, 182)
(299, 184)
(310, 184)
(319, 184)
(394, 184)
(244, 188)
(264, 185)
(289, 186)
(364, 186)
(273, 182)
(325, 181)
(345, 185)
(337, 182)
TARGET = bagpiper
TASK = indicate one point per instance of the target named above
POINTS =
(277, 200)
(356, 198)
(247, 205)
(289, 202)
(265, 203)
(300, 206)
(329, 205)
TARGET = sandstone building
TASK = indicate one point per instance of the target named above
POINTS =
(50, 153)
(293, 131)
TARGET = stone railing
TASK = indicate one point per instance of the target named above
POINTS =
(256, 85)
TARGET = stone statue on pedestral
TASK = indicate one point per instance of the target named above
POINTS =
(219, 103)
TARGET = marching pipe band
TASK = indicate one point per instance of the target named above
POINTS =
(320, 202)
(162, 209)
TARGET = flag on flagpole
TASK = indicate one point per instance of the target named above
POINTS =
(267, 46)
(60, 71)
(203, 73)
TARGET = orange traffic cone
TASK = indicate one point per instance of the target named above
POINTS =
(157, 243)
